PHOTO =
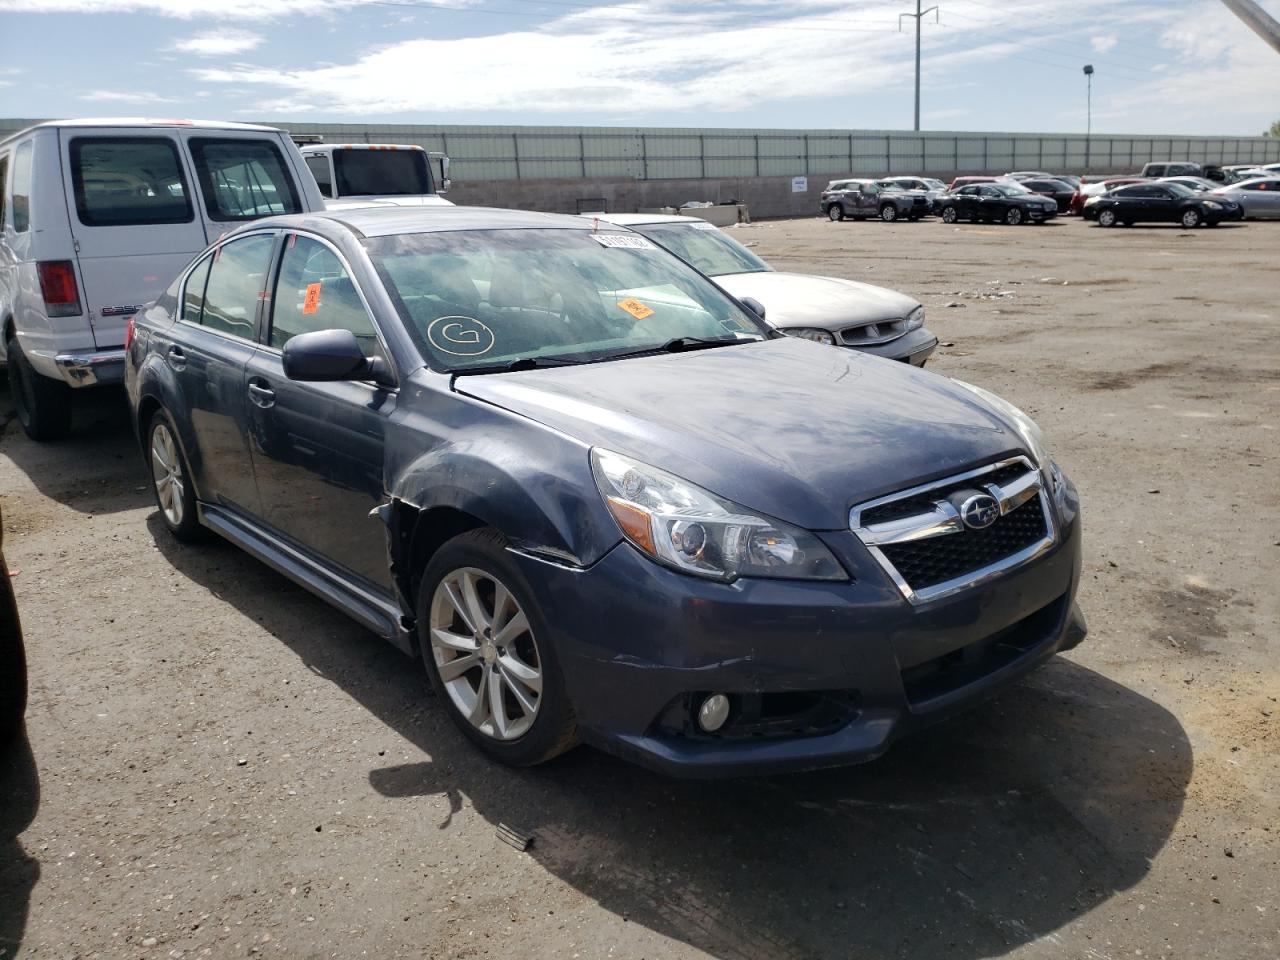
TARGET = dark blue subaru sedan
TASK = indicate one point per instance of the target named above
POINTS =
(603, 500)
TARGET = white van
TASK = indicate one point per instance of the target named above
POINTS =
(98, 216)
(402, 174)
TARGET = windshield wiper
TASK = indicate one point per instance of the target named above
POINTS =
(682, 345)
(518, 364)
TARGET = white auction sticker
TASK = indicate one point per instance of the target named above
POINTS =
(629, 241)
(703, 225)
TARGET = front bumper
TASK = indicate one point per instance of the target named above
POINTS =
(640, 645)
(914, 348)
(90, 369)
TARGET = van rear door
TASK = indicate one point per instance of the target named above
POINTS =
(133, 218)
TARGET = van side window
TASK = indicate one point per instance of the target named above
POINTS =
(243, 179)
(22, 188)
(125, 181)
(319, 167)
(4, 177)
(315, 292)
(193, 292)
(237, 279)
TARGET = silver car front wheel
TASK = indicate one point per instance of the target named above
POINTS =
(485, 653)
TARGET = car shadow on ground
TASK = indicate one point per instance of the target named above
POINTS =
(19, 799)
(104, 475)
(964, 841)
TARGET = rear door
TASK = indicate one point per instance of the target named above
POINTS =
(132, 216)
(241, 176)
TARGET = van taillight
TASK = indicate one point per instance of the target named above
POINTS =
(128, 333)
(58, 286)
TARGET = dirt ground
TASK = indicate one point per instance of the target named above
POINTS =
(220, 765)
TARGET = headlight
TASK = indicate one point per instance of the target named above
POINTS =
(1091, 201)
(915, 319)
(1030, 433)
(811, 333)
(683, 526)
(1213, 205)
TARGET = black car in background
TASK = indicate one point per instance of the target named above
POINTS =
(13, 661)
(1059, 191)
(1009, 203)
(1162, 203)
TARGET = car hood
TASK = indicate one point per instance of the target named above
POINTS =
(828, 303)
(791, 428)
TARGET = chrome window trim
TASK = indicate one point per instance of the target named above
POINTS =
(943, 520)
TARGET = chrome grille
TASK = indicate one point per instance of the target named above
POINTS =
(867, 333)
(920, 539)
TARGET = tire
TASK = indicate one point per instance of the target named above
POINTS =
(888, 213)
(1013, 216)
(43, 405)
(1191, 219)
(835, 213)
(1107, 218)
(949, 215)
(481, 557)
(13, 665)
(171, 479)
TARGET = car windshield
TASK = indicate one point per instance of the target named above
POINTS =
(703, 245)
(1180, 190)
(484, 299)
(1011, 189)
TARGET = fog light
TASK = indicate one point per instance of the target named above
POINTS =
(713, 712)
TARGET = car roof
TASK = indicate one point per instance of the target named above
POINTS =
(322, 147)
(147, 122)
(384, 221)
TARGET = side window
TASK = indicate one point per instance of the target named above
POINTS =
(870, 189)
(237, 279)
(315, 292)
(243, 179)
(22, 188)
(123, 181)
(4, 178)
(319, 167)
(193, 292)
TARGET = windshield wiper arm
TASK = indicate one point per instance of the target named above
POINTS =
(518, 364)
(683, 344)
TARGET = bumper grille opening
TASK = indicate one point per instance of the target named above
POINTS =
(764, 715)
(927, 563)
(959, 668)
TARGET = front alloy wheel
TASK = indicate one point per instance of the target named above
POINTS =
(1107, 218)
(485, 653)
(888, 213)
(1191, 219)
(948, 214)
(1014, 216)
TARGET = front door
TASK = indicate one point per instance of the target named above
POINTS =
(318, 448)
(208, 350)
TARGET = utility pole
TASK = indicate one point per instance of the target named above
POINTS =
(1088, 129)
(919, 15)
(1257, 19)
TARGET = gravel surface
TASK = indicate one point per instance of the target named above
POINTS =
(218, 764)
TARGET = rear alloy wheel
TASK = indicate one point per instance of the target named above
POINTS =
(888, 213)
(488, 651)
(171, 480)
(1106, 218)
(1191, 218)
(1013, 216)
(948, 214)
(43, 406)
(835, 213)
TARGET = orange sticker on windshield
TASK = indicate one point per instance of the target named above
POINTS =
(312, 302)
(636, 308)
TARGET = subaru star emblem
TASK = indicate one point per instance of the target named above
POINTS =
(979, 511)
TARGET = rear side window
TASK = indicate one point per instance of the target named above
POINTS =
(237, 279)
(315, 292)
(193, 292)
(243, 179)
(319, 167)
(22, 188)
(128, 181)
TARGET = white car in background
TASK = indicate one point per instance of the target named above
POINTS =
(823, 309)
(356, 174)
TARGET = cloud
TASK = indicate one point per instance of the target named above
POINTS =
(125, 96)
(196, 9)
(1104, 44)
(219, 43)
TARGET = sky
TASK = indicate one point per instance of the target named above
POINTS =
(1161, 66)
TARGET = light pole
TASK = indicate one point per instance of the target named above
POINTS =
(1088, 130)
(919, 16)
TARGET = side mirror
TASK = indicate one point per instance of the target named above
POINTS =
(752, 304)
(328, 355)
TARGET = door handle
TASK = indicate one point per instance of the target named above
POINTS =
(177, 358)
(261, 395)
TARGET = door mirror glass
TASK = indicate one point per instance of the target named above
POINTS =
(326, 355)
